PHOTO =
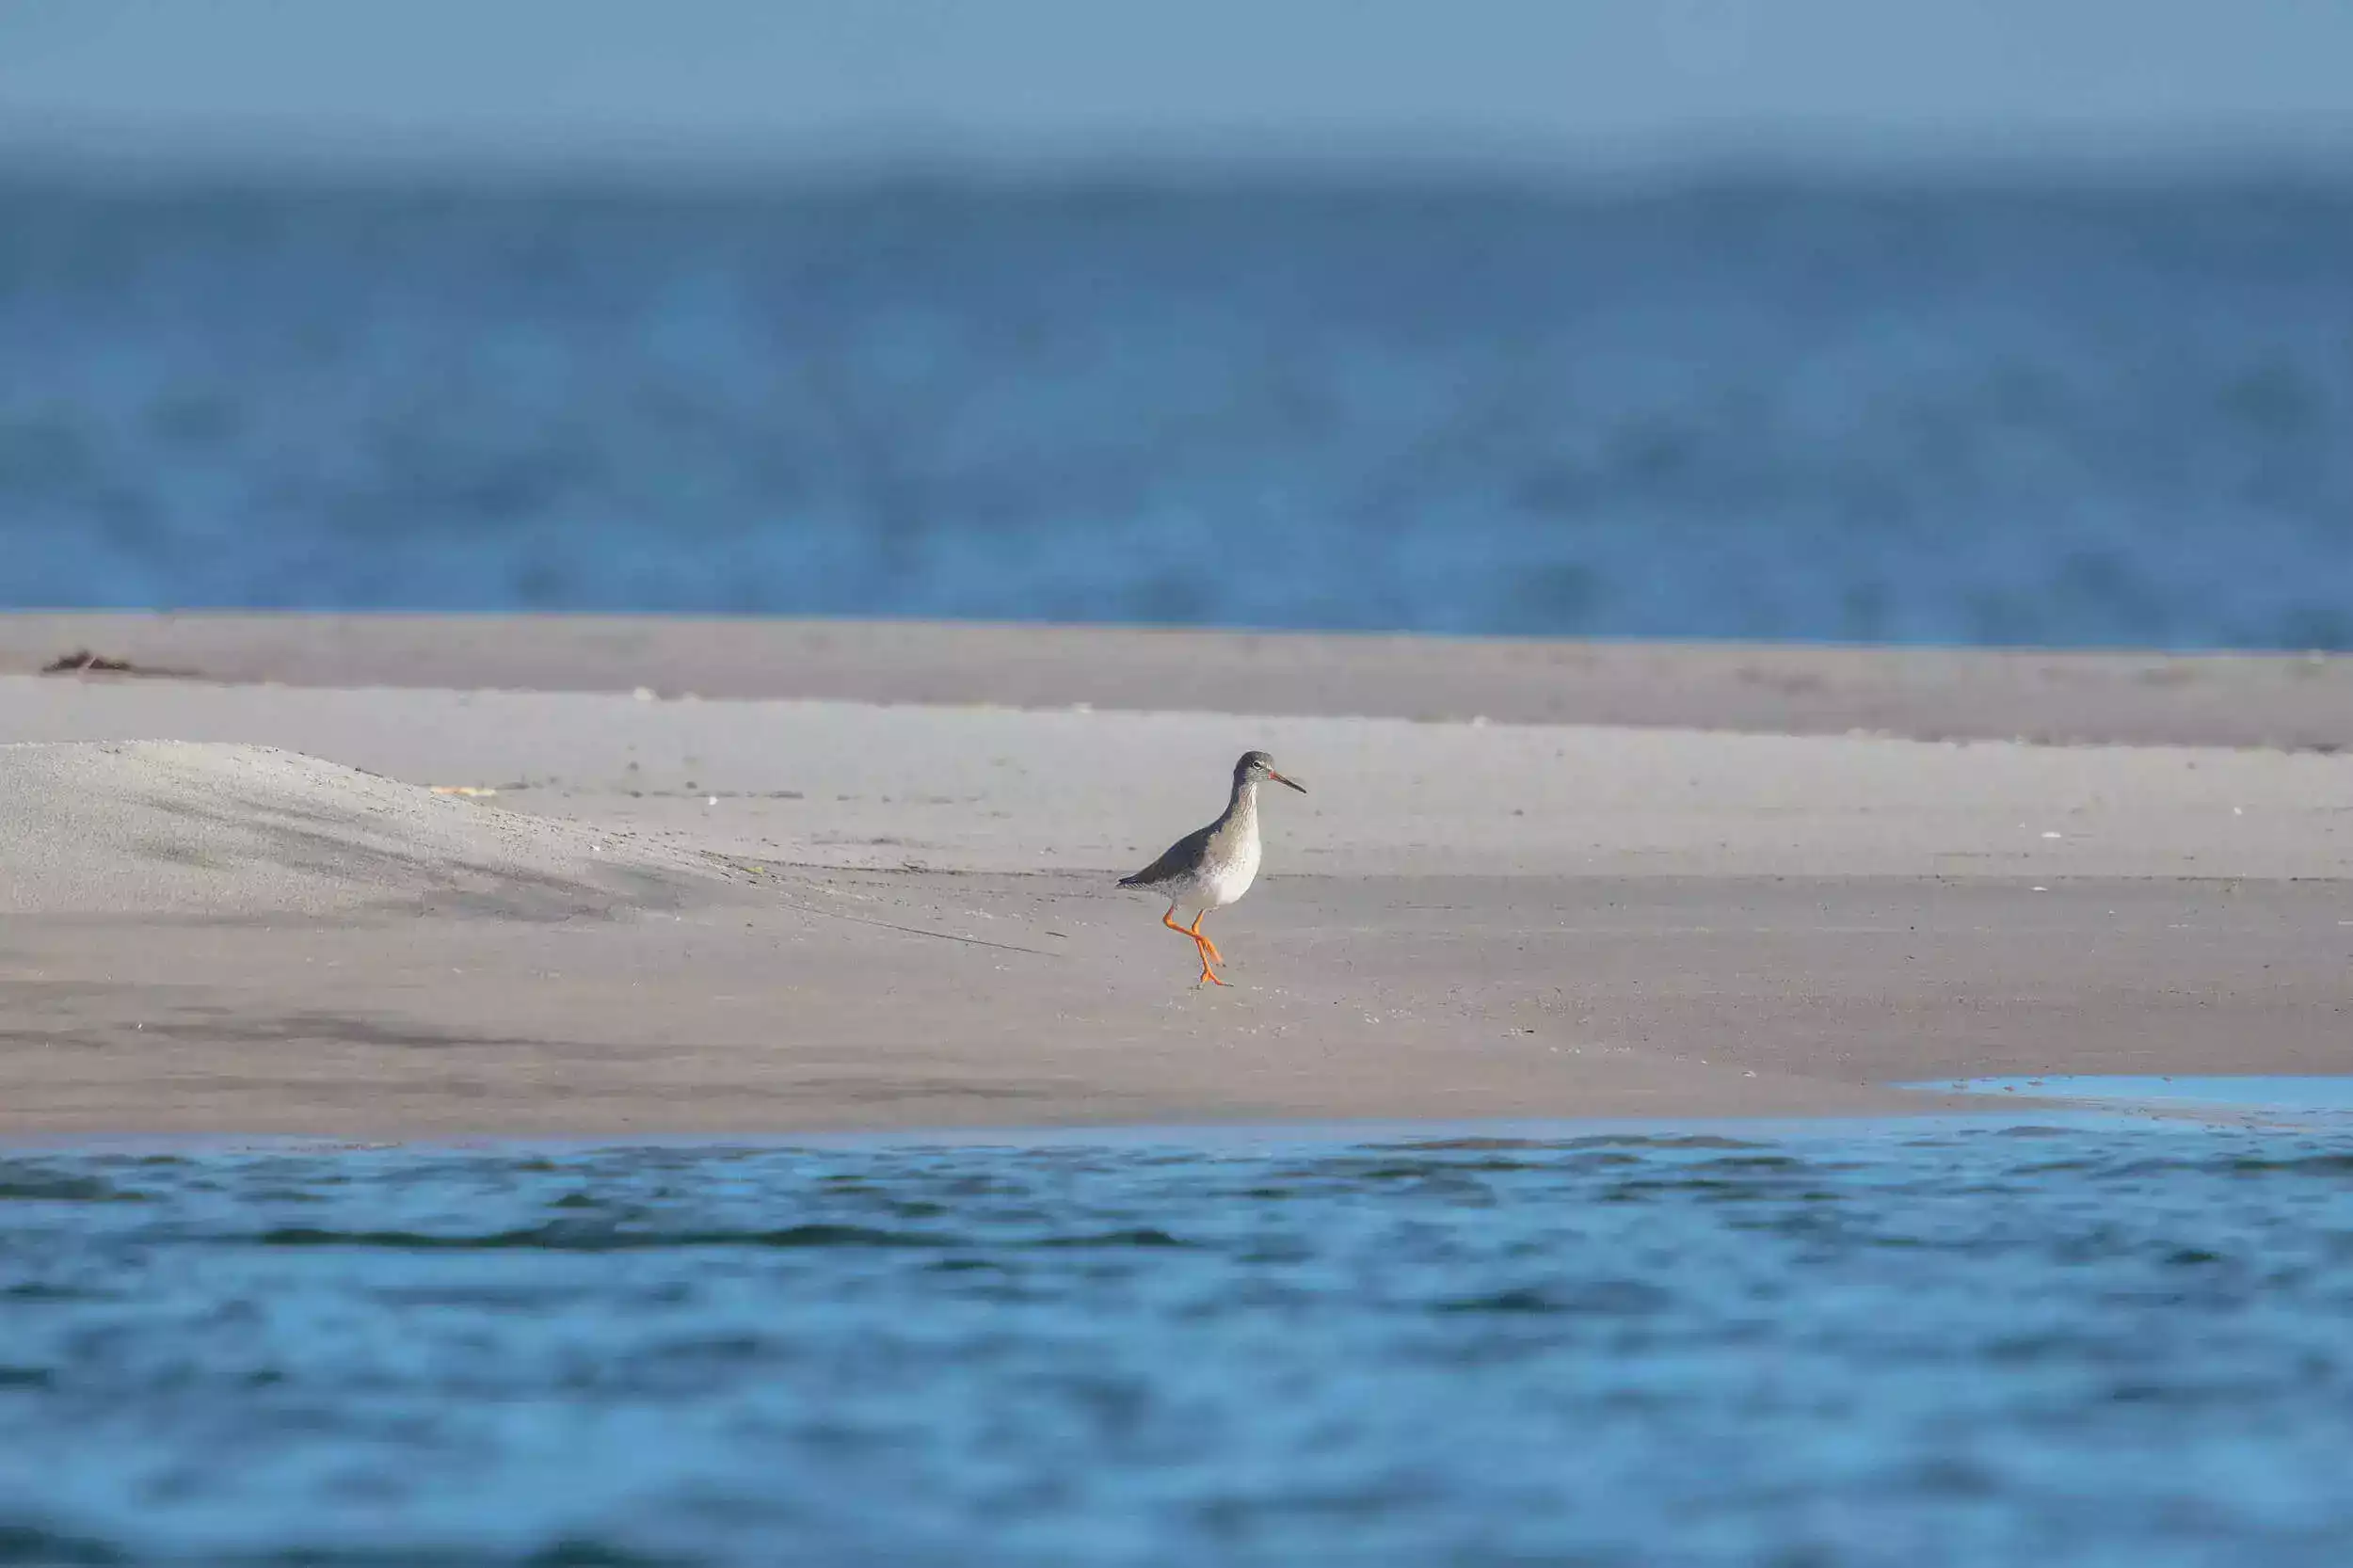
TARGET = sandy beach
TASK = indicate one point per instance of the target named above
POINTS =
(421, 877)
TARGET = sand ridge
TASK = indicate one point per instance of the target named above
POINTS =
(132, 829)
(967, 789)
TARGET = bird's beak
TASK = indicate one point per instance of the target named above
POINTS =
(1292, 782)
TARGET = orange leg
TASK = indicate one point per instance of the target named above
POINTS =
(1201, 945)
(1215, 956)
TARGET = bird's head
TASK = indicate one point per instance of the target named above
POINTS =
(1256, 767)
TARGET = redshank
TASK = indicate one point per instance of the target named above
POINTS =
(1211, 866)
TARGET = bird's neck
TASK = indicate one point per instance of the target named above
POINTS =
(1243, 808)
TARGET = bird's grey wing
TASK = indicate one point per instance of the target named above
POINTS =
(1178, 858)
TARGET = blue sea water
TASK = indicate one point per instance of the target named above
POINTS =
(1991, 412)
(2062, 1340)
(2315, 1103)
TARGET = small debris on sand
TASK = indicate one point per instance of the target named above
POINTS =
(81, 660)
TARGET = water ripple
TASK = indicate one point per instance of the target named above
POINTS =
(1846, 1346)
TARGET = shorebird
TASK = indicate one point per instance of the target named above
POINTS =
(1211, 866)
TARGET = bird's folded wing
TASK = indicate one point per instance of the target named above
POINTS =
(1180, 858)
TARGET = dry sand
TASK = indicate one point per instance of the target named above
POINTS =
(806, 908)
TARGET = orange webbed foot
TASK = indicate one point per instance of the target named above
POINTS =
(1209, 975)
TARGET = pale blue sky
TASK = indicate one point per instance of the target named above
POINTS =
(1586, 81)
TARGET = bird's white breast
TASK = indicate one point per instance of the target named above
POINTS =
(1229, 879)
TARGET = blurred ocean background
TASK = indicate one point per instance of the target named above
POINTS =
(1696, 328)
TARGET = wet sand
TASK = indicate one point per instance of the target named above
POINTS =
(2291, 701)
(849, 896)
